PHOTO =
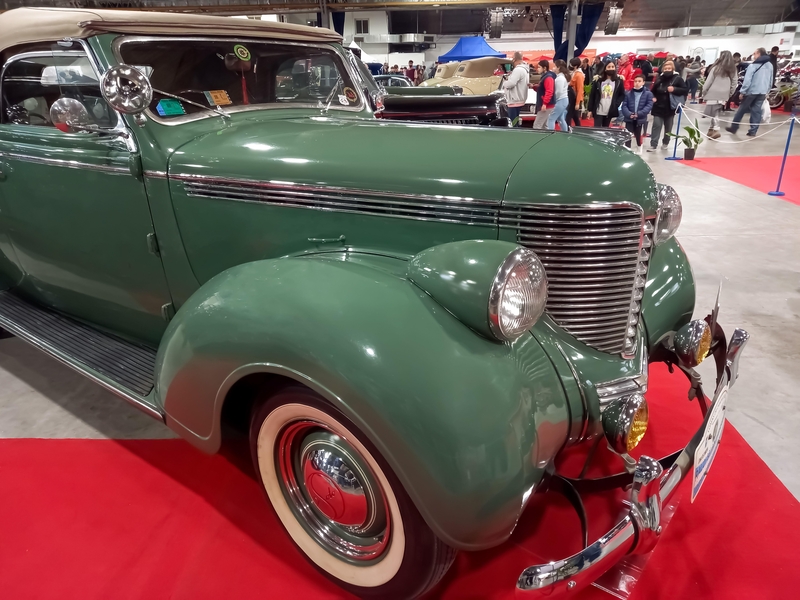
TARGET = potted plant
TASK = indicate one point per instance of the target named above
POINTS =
(587, 89)
(690, 141)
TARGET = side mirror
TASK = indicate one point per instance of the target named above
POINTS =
(69, 115)
(126, 89)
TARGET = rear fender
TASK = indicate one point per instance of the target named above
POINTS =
(467, 424)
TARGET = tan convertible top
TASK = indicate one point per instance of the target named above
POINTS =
(30, 25)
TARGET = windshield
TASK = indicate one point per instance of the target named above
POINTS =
(234, 74)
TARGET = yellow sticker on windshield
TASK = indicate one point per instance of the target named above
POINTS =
(350, 94)
(218, 98)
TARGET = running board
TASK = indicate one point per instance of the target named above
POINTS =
(124, 368)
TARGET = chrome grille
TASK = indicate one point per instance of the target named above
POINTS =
(596, 258)
(449, 209)
(464, 121)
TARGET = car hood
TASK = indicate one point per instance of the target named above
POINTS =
(571, 169)
(365, 154)
(496, 164)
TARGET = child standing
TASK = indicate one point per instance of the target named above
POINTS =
(637, 105)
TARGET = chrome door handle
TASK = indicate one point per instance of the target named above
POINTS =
(341, 238)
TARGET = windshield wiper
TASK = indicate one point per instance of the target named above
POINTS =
(214, 109)
(329, 99)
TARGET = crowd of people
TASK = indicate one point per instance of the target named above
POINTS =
(415, 73)
(620, 93)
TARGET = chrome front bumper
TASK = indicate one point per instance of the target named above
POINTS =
(639, 529)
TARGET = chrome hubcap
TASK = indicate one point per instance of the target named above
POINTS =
(332, 491)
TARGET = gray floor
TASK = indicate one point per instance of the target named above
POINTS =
(730, 232)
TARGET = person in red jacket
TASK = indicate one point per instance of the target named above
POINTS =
(625, 72)
(545, 94)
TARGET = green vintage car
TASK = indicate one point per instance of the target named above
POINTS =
(204, 216)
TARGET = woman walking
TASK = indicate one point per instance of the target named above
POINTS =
(606, 96)
(561, 96)
(719, 86)
(575, 93)
(668, 89)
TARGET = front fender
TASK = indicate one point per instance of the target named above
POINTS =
(669, 294)
(467, 424)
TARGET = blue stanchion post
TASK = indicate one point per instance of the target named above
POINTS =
(675, 150)
(778, 191)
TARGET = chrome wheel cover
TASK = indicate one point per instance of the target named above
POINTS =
(332, 492)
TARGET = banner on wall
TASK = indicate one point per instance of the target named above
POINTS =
(534, 56)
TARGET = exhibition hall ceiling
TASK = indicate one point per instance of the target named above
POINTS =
(530, 14)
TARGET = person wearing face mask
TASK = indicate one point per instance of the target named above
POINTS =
(667, 84)
(606, 96)
(637, 105)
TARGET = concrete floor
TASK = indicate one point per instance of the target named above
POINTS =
(730, 232)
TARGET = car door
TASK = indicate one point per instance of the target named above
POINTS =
(76, 210)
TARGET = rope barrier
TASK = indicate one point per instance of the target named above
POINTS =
(775, 127)
(718, 119)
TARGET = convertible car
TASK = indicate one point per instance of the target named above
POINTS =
(475, 76)
(196, 214)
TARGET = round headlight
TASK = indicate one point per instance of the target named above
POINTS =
(625, 422)
(669, 213)
(693, 342)
(518, 295)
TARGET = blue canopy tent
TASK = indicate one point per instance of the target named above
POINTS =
(470, 47)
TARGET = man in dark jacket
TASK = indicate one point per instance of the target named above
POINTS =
(545, 94)
(647, 68)
(666, 86)
(757, 82)
(773, 58)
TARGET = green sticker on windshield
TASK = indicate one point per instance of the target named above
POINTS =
(241, 52)
(169, 107)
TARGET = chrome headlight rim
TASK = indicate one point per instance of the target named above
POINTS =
(513, 260)
(669, 206)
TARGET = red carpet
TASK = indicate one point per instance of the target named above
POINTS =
(157, 519)
(757, 172)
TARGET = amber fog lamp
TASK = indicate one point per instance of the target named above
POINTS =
(625, 422)
(693, 343)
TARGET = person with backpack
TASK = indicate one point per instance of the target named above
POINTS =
(757, 83)
(637, 105)
(669, 91)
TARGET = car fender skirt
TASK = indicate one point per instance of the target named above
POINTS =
(669, 294)
(468, 424)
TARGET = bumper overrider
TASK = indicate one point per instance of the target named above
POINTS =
(653, 483)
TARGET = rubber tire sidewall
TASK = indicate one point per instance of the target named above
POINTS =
(425, 558)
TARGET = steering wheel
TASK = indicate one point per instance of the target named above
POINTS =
(44, 120)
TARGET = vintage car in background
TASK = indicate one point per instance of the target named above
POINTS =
(476, 76)
(443, 71)
(196, 214)
(394, 80)
(448, 107)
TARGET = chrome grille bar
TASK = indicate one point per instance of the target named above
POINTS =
(596, 258)
(422, 208)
